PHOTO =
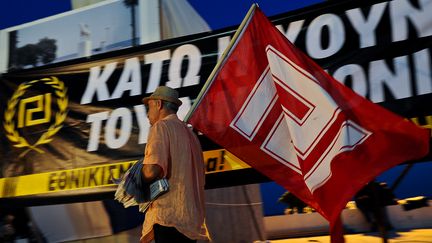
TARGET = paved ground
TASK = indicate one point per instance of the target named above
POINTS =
(411, 236)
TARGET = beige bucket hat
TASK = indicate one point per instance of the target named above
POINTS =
(164, 93)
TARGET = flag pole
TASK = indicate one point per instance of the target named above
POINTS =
(222, 60)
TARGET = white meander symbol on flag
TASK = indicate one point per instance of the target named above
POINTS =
(296, 132)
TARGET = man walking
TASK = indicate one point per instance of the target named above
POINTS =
(173, 151)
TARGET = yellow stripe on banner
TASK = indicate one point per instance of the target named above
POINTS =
(63, 180)
(222, 160)
(97, 176)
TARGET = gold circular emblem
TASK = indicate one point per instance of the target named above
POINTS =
(9, 124)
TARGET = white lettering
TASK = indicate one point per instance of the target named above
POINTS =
(184, 108)
(397, 82)
(422, 65)
(124, 116)
(97, 83)
(143, 123)
(194, 64)
(314, 36)
(357, 75)
(366, 27)
(402, 10)
(95, 129)
(156, 60)
(293, 30)
(130, 79)
(223, 43)
(119, 122)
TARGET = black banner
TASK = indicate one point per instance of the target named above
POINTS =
(76, 124)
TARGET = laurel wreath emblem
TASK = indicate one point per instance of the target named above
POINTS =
(9, 125)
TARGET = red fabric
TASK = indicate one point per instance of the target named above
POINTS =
(337, 231)
(309, 133)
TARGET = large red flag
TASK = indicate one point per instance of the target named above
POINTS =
(273, 107)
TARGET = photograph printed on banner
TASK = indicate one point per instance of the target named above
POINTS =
(71, 35)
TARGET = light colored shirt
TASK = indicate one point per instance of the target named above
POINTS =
(176, 149)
